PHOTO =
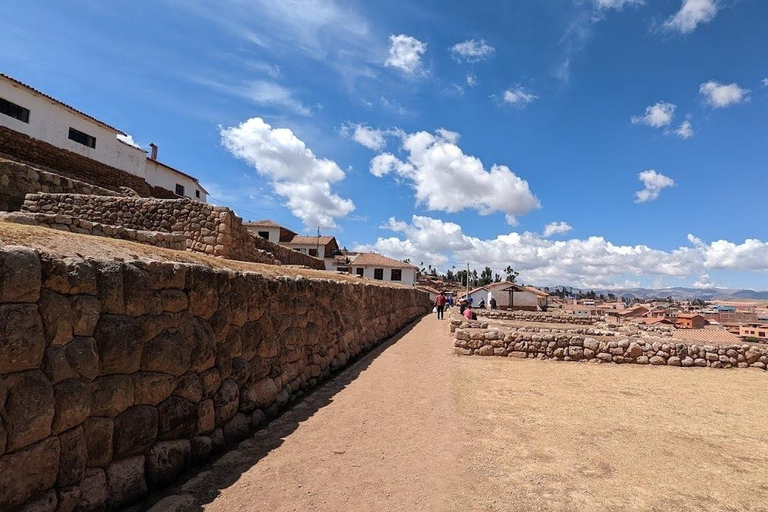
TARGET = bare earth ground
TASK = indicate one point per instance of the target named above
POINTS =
(413, 427)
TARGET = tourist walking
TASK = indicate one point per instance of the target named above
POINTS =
(493, 303)
(440, 305)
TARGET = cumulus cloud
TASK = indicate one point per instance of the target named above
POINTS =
(447, 179)
(518, 96)
(472, 50)
(658, 115)
(405, 53)
(372, 138)
(556, 228)
(295, 172)
(719, 95)
(591, 262)
(692, 13)
(654, 183)
(684, 131)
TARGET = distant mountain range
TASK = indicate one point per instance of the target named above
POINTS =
(680, 293)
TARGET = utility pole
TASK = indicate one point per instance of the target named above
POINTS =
(317, 247)
(467, 280)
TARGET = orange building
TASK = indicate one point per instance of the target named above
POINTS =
(690, 321)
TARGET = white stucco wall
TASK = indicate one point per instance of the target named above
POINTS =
(274, 233)
(408, 274)
(161, 176)
(50, 122)
(305, 249)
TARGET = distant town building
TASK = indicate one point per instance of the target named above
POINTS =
(378, 267)
(690, 321)
(511, 296)
(754, 331)
(270, 230)
(29, 117)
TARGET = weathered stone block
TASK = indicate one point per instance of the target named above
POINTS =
(210, 381)
(86, 310)
(27, 472)
(78, 359)
(173, 301)
(22, 342)
(68, 499)
(45, 503)
(236, 429)
(166, 461)
(73, 404)
(74, 456)
(20, 274)
(93, 491)
(29, 408)
(119, 340)
(190, 388)
(69, 276)
(202, 447)
(226, 401)
(111, 395)
(58, 319)
(125, 482)
(135, 430)
(99, 435)
(177, 418)
(151, 388)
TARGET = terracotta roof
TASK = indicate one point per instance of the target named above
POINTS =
(309, 240)
(266, 223)
(657, 320)
(689, 315)
(69, 107)
(371, 259)
(536, 291)
(715, 336)
(427, 289)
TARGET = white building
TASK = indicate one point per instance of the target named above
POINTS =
(378, 267)
(324, 247)
(269, 230)
(511, 296)
(30, 112)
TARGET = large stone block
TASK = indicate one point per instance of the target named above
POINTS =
(151, 388)
(203, 346)
(206, 417)
(119, 339)
(226, 401)
(140, 298)
(237, 429)
(73, 404)
(27, 472)
(177, 418)
(29, 408)
(111, 293)
(20, 274)
(99, 435)
(70, 276)
(210, 381)
(45, 503)
(22, 342)
(58, 319)
(86, 310)
(166, 461)
(73, 458)
(125, 482)
(78, 359)
(169, 352)
(111, 395)
(190, 388)
(135, 430)
(93, 491)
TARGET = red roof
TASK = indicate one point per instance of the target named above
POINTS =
(69, 107)
(371, 259)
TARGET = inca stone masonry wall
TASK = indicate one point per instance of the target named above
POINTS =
(288, 256)
(214, 230)
(529, 316)
(69, 164)
(115, 377)
(569, 346)
(17, 180)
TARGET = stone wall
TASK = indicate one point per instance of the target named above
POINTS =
(287, 256)
(69, 164)
(74, 225)
(116, 377)
(529, 316)
(17, 180)
(214, 230)
(569, 346)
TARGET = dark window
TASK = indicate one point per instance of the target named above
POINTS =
(197, 194)
(264, 234)
(82, 138)
(397, 274)
(14, 110)
(359, 271)
(179, 190)
(313, 252)
(378, 273)
(342, 269)
(761, 334)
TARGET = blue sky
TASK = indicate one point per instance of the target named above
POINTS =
(446, 132)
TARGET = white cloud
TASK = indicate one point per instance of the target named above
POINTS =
(372, 138)
(692, 13)
(556, 228)
(719, 95)
(518, 96)
(591, 262)
(657, 115)
(128, 139)
(296, 173)
(703, 282)
(472, 50)
(261, 92)
(654, 183)
(684, 131)
(616, 4)
(765, 82)
(405, 53)
(472, 80)
(446, 179)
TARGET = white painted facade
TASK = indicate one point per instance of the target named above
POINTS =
(408, 274)
(50, 121)
(273, 233)
(306, 248)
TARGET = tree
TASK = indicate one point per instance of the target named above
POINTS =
(449, 276)
(511, 274)
(486, 276)
(497, 278)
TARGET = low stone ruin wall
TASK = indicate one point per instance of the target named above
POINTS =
(576, 347)
(287, 256)
(213, 230)
(69, 164)
(116, 377)
(17, 180)
(75, 225)
(529, 316)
